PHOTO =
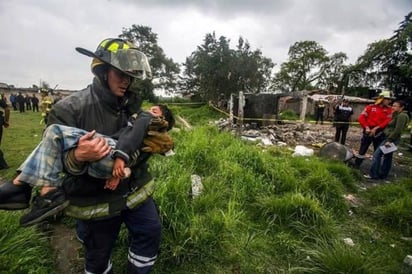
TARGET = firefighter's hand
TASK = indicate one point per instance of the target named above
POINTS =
(91, 148)
(6, 124)
(157, 142)
(158, 124)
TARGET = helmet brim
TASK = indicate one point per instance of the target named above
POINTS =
(144, 73)
(86, 52)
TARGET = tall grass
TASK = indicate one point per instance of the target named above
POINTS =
(337, 257)
(261, 210)
(250, 200)
(23, 250)
(23, 134)
(391, 204)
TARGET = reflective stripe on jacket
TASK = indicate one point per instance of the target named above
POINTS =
(106, 209)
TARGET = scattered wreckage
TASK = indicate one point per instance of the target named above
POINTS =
(304, 137)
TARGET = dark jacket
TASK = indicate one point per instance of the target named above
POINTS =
(395, 127)
(96, 108)
(130, 138)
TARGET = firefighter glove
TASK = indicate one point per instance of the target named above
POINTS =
(158, 124)
(157, 142)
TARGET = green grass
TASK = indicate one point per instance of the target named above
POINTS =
(391, 204)
(335, 256)
(259, 212)
(23, 250)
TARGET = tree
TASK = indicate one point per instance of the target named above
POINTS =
(215, 69)
(165, 70)
(332, 75)
(388, 62)
(307, 62)
(253, 70)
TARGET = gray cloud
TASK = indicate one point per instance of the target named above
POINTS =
(39, 37)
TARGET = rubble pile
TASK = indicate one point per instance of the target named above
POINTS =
(290, 134)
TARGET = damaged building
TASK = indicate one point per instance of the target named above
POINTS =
(264, 109)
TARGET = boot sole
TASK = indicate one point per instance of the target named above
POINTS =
(49, 213)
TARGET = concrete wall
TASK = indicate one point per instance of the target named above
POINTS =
(258, 106)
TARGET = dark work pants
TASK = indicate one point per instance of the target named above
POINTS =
(3, 163)
(21, 107)
(99, 237)
(341, 131)
(319, 116)
(366, 141)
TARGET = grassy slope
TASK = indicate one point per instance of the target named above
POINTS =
(260, 211)
(22, 250)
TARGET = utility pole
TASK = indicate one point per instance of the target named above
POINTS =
(303, 106)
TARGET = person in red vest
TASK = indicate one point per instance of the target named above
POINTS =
(373, 119)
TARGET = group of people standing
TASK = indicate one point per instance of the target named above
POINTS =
(21, 103)
(382, 125)
(25, 102)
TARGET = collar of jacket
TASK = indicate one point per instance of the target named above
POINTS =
(107, 97)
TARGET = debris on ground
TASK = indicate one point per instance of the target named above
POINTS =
(309, 135)
(352, 200)
(197, 186)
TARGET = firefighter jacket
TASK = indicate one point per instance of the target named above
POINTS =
(96, 107)
(375, 116)
(45, 105)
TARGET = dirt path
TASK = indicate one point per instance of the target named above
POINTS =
(67, 249)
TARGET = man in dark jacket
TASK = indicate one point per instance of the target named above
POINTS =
(35, 103)
(4, 122)
(21, 102)
(343, 114)
(101, 212)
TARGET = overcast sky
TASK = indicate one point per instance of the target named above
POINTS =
(38, 37)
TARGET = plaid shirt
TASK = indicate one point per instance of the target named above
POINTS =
(45, 165)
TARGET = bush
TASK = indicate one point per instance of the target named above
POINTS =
(289, 114)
